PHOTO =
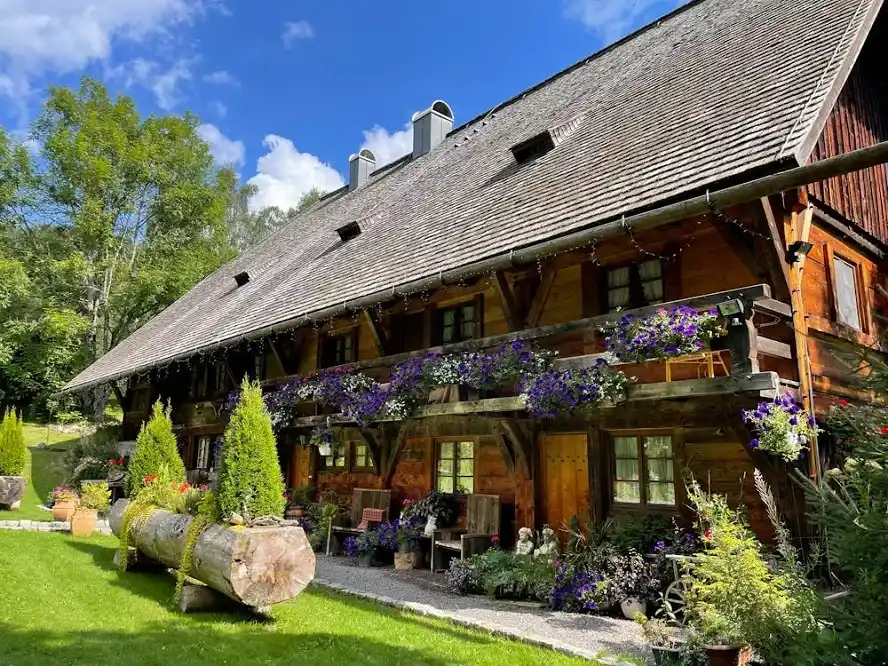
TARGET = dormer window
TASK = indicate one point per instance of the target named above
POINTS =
(349, 231)
(533, 148)
(242, 278)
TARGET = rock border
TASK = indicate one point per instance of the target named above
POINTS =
(48, 526)
(489, 627)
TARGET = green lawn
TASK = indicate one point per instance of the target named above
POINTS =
(63, 602)
(43, 469)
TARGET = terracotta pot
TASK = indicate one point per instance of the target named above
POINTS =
(729, 655)
(295, 512)
(83, 524)
(64, 510)
(405, 561)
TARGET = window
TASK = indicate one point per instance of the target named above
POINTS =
(362, 458)
(534, 147)
(221, 382)
(635, 285)
(458, 323)
(338, 350)
(456, 467)
(847, 304)
(203, 453)
(338, 459)
(643, 470)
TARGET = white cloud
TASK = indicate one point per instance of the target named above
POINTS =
(284, 174)
(219, 108)
(388, 147)
(613, 19)
(225, 151)
(221, 78)
(66, 35)
(164, 83)
(296, 30)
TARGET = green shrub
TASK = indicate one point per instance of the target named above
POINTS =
(250, 482)
(95, 496)
(12, 445)
(502, 574)
(640, 533)
(88, 458)
(155, 446)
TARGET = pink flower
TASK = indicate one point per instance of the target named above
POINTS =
(204, 486)
(494, 540)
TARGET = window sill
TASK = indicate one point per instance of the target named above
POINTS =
(842, 331)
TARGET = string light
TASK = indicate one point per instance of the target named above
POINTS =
(663, 257)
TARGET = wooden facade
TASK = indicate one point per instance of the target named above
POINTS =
(809, 319)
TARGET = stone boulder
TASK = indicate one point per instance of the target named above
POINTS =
(12, 489)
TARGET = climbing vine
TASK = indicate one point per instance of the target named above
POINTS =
(207, 515)
(136, 511)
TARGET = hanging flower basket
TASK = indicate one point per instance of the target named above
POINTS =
(565, 391)
(680, 331)
(783, 427)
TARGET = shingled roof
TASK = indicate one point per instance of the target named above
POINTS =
(715, 90)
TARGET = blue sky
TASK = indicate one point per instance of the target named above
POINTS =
(287, 89)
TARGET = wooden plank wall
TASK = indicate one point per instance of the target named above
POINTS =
(858, 120)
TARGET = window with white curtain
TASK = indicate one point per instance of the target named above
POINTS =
(643, 470)
(635, 285)
(847, 305)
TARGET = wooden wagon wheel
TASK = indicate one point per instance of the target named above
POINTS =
(676, 598)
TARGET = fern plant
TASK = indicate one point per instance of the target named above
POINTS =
(155, 446)
(250, 482)
(12, 445)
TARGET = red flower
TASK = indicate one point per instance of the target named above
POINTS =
(843, 403)
(151, 478)
(883, 430)
(708, 533)
(111, 462)
(407, 502)
(494, 540)
(122, 461)
(185, 487)
(203, 486)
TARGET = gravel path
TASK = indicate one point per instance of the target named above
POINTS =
(588, 636)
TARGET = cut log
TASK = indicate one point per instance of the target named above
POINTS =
(255, 566)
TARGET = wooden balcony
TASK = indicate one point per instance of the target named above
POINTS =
(746, 347)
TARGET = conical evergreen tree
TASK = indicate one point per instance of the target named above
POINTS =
(250, 481)
(12, 445)
(155, 448)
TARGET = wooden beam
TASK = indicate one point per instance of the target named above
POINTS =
(775, 253)
(739, 242)
(379, 337)
(769, 347)
(521, 443)
(507, 301)
(772, 307)
(761, 384)
(279, 358)
(392, 460)
(535, 311)
(504, 448)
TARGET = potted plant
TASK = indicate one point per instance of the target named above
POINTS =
(783, 427)
(322, 437)
(680, 331)
(437, 509)
(297, 500)
(636, 582)
(65, 501)
(363, 547)
(94, 497)
(12, 461)
(662, 638)
(409, 554)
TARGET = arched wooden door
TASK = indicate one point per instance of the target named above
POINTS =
(565, 480)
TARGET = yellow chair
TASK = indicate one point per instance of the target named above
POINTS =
(704, 361)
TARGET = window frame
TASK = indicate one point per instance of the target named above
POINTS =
(477, 305)
(353, 446)
(205, 441)
(643, 504)
(859, 292)
(456, 441)
(329, 356)
(334, 467)
(636, 285)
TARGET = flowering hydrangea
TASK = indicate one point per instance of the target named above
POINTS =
(665, 334)
(783, 427)
(555, 392)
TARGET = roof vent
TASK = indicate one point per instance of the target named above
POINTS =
(431, 127)
(349, 231)
(533, 147)
(242, 278)
(360, 168)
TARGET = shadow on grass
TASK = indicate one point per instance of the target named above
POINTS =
(199, 644)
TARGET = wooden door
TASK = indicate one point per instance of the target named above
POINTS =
(565, 475)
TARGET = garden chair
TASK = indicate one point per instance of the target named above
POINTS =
(482, 523)
(369, 508)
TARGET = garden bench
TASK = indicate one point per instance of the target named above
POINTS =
(482, 523)
(369, 507)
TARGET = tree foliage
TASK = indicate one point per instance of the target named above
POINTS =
(250, 482)
(155, 452)
(12, 445)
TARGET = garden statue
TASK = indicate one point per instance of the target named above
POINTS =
(548, 544)
(525, 542)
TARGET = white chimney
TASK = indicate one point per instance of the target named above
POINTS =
(431, 127)
(360, 168)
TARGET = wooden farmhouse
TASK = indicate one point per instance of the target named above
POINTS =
(712, 157)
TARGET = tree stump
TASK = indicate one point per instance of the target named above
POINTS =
(12, 489)
(255, 566)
